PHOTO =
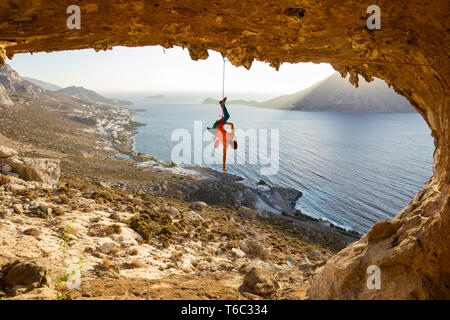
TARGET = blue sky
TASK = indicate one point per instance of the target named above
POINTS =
(149, 69)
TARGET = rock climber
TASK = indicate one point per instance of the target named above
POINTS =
(221, 135)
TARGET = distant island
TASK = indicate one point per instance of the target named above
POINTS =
(336, 94)
(92, 96)
(244, 102)
(158, 96)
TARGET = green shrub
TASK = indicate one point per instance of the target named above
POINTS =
(151, 224)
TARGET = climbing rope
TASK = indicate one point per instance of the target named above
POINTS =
(223, 80)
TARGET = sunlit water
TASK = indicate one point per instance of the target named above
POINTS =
(353, 169)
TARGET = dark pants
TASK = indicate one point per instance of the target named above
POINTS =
(226, 116)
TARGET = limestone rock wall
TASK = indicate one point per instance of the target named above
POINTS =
(410, 53)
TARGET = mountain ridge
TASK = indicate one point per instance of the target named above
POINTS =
(92, 96)
(43, 84)
(11, 84)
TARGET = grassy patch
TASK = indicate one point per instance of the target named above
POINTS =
(150, 224)
(25, 194)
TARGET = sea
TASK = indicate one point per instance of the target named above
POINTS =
(353, 169)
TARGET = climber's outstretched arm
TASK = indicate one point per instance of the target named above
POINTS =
(224, 166)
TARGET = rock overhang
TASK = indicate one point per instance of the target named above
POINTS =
(409, 52)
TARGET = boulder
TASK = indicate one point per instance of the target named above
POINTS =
(6, 259)
(284, 198)
(194, 215)
(107, 247)
(4, 180)
(16, 187)
(172, 211)
(314, 253)
(247, 212)
(18, 208)
(5, 168)
(199, 205)
(32, 232)
(46, 209)
(32, 274)
(163, 207)
(238, 253)
(290, 261)
(260, 281)
(41, 170)
(6, 152)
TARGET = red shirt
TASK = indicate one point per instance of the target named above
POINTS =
(223, 135)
